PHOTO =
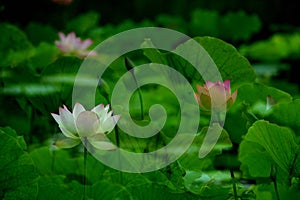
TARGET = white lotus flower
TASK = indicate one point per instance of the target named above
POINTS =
(86, 125)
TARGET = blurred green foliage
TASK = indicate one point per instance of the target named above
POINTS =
(18, 173)
(256, 156)
(276, 48)
(15, 47)
(230, 26)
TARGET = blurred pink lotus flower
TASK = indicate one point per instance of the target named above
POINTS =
(72, 45)
(212, 95)
(92, 126)
(64, 2)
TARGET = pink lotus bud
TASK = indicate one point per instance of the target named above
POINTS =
(63, 2)
(215, 94)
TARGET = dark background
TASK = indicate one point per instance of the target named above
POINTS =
(115, 11)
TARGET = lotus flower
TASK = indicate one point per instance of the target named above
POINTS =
(64, 2)
(72, 45)
(212, 95)
(91, 126)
